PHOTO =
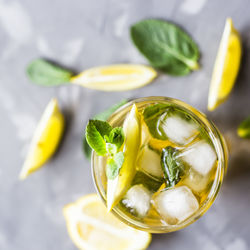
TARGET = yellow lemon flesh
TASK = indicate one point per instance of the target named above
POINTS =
(118, 77)
(90, 226)
(226, 66)
(45, 140)
(117, 187)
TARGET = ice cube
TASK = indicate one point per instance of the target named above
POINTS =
(200, 156)
(176, 204)
(179, 130)
(149, 161)
(138, 199)
(196, 181)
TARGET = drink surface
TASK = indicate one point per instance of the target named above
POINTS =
(176, 167)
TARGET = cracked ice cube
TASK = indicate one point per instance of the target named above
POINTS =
(179, 130)
(200, 156)
(138, 199)
(176, 204)
(196, 181)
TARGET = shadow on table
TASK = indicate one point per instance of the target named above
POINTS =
(159, 240)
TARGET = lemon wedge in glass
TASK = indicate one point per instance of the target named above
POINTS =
(117, 187)
(118, 77)
(226, 66)
(45, 140)
(90, 226)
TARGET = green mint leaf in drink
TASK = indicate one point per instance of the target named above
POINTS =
(45, 73)
(95, 132)
(113, 165)
(116, 137)
(166, 46)
(172, 167)
(152, 115)
(244, 129)
(103, 116)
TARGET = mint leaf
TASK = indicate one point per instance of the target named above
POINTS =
(111, 148)
(45, 73)
(148, 182)
(166, 46)
(101, 116)
(172, 168)
(244, 129)
(113, 165)
(116, 137)
(95, 132)
(151, 116)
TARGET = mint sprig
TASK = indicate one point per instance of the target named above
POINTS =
(103, 116)
(106, 141)
(43, 72)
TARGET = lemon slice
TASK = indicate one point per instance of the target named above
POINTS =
(45, 140)
(116, 188)
(118, 77)
(226, 66)
(91, 227)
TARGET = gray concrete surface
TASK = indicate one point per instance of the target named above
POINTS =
(82, 34)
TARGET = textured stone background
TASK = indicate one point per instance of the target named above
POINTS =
(81, 34)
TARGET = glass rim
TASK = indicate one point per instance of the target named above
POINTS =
(221, 151)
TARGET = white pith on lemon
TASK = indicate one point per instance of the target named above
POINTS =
(117, 187)
(45, 139)
(226, 66)
(90, 226)
(118, 77)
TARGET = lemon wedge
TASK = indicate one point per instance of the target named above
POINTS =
(45, 140)
(90, 226)
(117, 187)
(226, 66)
(118, 77)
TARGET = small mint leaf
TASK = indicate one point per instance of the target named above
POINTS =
(95, 132)
(117, 136)
(172, 168)
(113, 165)
(101, 116)
(111, 148)
(45, 73)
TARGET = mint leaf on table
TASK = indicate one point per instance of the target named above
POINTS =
(244, 129)
(95, 132)
(101, 116)
(166, 46)
(113, 165)
(172, 167)
(45, 73)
